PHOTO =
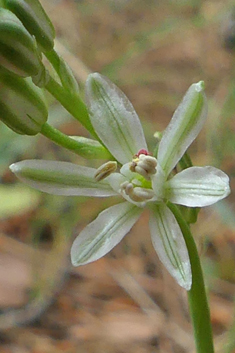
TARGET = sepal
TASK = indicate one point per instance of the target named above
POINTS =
(197, 187)
(61, 178)
(169, 243)
(183, 128)
(114, 118)
(104, 233)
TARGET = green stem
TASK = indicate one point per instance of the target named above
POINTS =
(80, 148)
(185, 161)
(198, 304)
(231, 341)
(72, 103)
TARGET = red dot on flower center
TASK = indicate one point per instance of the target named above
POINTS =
(142, 151)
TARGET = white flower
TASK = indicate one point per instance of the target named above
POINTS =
(143, 180)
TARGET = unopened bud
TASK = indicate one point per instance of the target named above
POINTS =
(35, 20)
(22, 105)
(18, 50)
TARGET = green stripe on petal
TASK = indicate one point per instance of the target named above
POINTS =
(197, 187)
(114, 118)
(169, 244)
(183, 128)
(61, 178)
(104, 233)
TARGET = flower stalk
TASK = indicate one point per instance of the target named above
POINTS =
(198, 304)
(84, 147)
(72, 103)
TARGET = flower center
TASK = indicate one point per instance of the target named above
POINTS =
(133, 181)
(144, 165)
(139, 188)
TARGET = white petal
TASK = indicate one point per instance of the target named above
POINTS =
(104, 233)
(158, 183)
(114, 118)
(197, 187)
(61, 178)
(183, 128)
(115, 180)
(169, 244)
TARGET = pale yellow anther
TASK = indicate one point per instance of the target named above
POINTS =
(140, 170)
(136, 194)
(133, 166)
(105, 170)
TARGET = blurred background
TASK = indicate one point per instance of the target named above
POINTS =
(126, 302)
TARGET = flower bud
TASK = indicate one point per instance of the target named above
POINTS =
(18, 50)
(35, 20)
(22, 105)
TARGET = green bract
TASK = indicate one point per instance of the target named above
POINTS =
(22, 105)
(67, 77)
(64, 72)
(35, 20)
(18, 50)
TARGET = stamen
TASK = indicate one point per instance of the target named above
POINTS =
(140, 170)
(136, 194)
(105, 170)
(144, 165)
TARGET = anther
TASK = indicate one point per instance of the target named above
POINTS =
(144, 165)
(136, 194)
(105, 170)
